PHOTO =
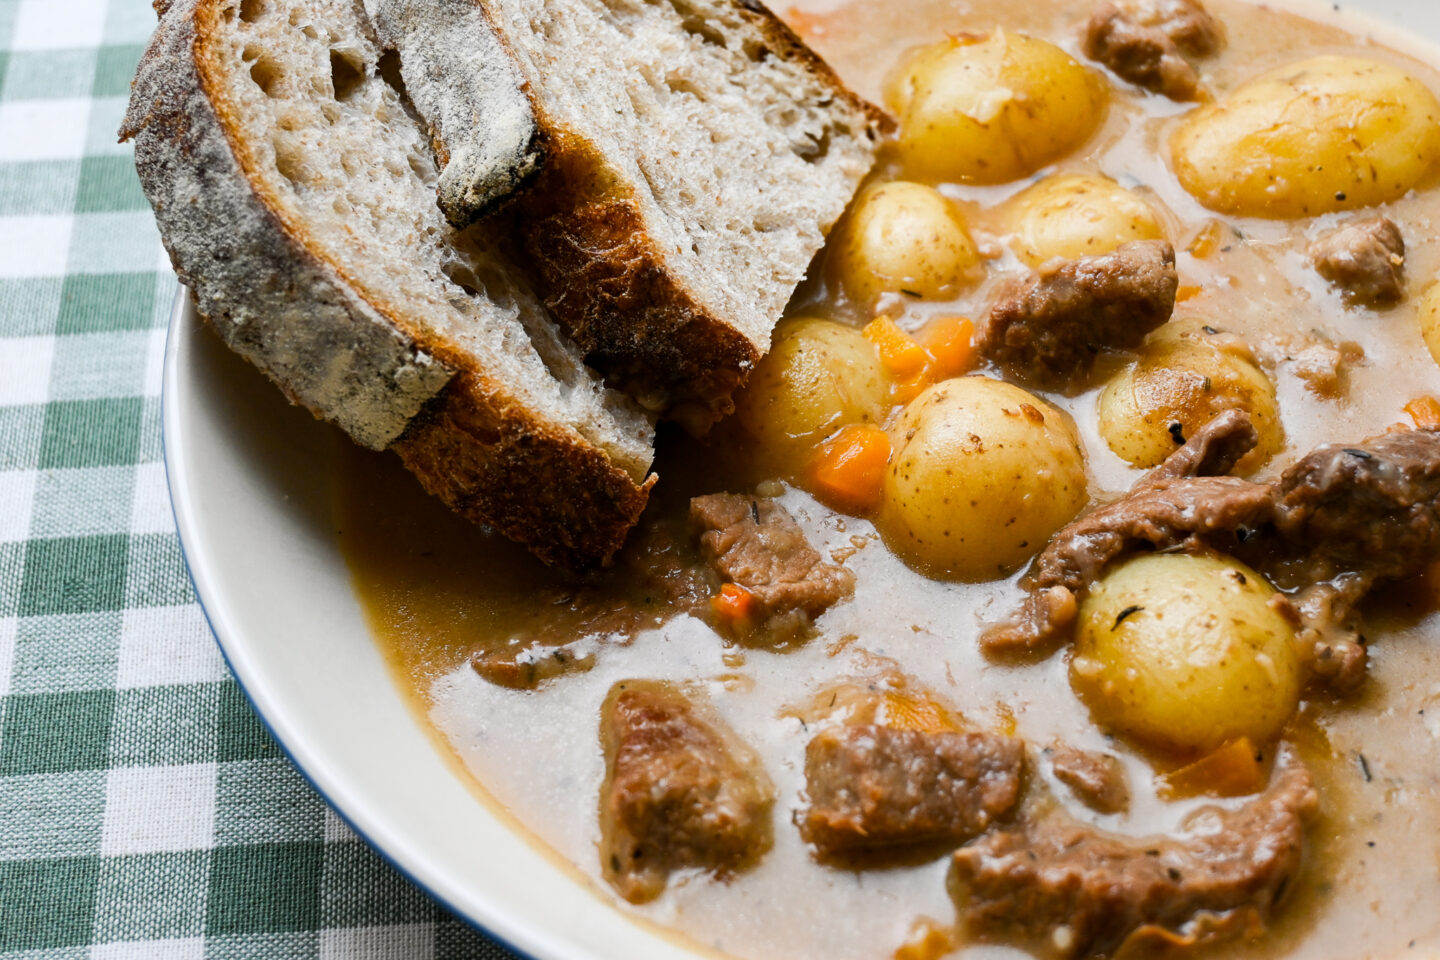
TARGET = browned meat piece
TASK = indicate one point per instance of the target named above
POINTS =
(1049, 329)
(755, 543)
(1347, 517)
(1365, 258)
(1146, 43)
(1166, 514)
(1211, 451)
(874, 786)
(1082, 892)
(680, 790)
(1098, 779)
(1323, 365)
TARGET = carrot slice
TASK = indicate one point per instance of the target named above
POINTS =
(733, 603)
(848, 469)
(904, 359)
(916, 712)
(1233, 770)
(950, 341)
(1425, 411)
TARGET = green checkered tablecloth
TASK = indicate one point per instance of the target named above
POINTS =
(144, 810)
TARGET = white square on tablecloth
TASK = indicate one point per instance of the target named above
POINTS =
(25, 364)
(43, 129)
(151, 512)
(114, 243)
(154, 362)
(34, 246)
(410, 941)
(159, 809)
(336, 829)
(190, 948)
(59, 24)
(17, 496)
(7, 652)
(167, 645)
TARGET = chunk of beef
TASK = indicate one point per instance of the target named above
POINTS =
(1365, 258)
(680, 790)
(1336, 523)
(1170, 513)
(1346, 518)
(874, 786)
(1098, 779)
(1146, 43)
(1212, 451)
(1079, 891)
(755, 543)
(1049, 329)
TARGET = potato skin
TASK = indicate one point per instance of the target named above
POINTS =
(1077, 216)
(1429, 318)
(818, 376)
(982, 474)
(993, 107)
(1185, 652)
(1187, 374)
(905, 236)
(1329, 133)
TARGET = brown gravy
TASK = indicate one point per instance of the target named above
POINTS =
(436, 591)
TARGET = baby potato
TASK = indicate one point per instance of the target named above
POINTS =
(1186, 652)
(905, 236)
(1187, 372)
(982, 474)
(992, 108)
(1429, 317)
(1077, 216)
(818, 376)
(1329, 133)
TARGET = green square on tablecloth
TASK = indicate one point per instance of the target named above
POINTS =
(93, 366)
(82, 502)
(457, 940)
(158, 577)
(165, 725)
(49, 74)
(264, 946)
(264, 888)
(22, 427)
(56, 732)
(109, 183)
(91, 433)
(52, 815)
(38, 187)
(11, 571)
(264, 802)
(152, 896)
(47, 903)
(242, 735)
(114, 69)
(28, 306)
(361, 889)
(65, 652)
(74, 575)
(101, 302)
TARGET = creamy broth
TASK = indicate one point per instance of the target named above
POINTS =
(437, 592)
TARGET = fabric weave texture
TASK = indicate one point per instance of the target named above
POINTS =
(145, 812)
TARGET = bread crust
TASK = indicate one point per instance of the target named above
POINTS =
(277, 300)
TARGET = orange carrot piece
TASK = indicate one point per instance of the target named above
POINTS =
(1425, 411)
(1233, 770)
(1208, 240)
(902, 356)
(916, 712)
(848, 469)
(950, 341)
(1187, 292)
(733, 603)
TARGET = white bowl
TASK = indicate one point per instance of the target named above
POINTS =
(250, 479)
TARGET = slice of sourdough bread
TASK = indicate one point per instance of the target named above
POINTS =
(694, 155)
(296, 195)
